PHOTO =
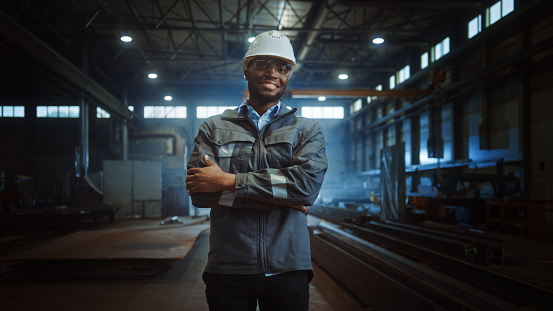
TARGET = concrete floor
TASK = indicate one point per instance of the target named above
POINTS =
(177, 287)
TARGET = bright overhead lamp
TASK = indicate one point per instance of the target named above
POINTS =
(378, 40)
(343, 76)
(168, 98)
(152, 75)
(321, 98)
(126, 38)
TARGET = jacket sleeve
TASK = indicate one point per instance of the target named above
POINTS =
(297, 184)
(203, 146)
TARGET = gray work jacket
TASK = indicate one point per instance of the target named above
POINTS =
(252, 228)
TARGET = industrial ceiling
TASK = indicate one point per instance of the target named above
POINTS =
(197, 46)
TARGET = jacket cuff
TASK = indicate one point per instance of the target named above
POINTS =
(241, 188)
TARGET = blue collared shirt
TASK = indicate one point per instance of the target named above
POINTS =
(259, 121)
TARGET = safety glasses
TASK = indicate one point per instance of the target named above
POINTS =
(282, 68)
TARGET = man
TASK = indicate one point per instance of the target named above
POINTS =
(258, 167)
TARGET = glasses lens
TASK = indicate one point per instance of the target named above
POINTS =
(282, 68)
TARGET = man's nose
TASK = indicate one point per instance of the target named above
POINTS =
(271, 69)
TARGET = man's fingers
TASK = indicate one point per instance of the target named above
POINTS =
(207, 161)
(300, 208)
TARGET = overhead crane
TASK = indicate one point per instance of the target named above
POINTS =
(344, 93)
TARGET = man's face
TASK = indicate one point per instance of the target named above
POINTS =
(267, 78)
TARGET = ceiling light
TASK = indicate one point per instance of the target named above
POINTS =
(152, 75)
(126, 38)
(343, 76)
(321, 98)
(378, 40)
(168, 98)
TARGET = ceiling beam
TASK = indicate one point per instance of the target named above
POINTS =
(34, 50)
(357, 93)
(423, 4)
(318, 21)
(360, 93)
(95, 14)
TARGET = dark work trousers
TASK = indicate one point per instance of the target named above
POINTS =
(287, 291)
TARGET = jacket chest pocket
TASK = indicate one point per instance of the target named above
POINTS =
(279, 149)
(233, 150)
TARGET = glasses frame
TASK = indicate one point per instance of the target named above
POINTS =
(264, 64)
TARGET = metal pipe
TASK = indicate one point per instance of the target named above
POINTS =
(83, 120)
(81, 171)
(125, 132)
(312, 36)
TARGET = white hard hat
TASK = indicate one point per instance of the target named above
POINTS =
(271, 43)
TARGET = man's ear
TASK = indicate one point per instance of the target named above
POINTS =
(246, 75)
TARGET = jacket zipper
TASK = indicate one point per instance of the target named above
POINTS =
(262, 212)
(262, 260)
(261, 223)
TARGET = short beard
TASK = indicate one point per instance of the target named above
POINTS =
(267, 98)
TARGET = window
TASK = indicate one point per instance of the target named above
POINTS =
(499, 10)
(204, 112)
(494, 13)
(404, 73)
(57, 111)
(392, 82)
(165, 112)
(424, 60)
(357, 104)
(102, 114)
(12, 111)
(377, 88)
(317, 112)
(475, 26)
(440, 49)
(507, 6)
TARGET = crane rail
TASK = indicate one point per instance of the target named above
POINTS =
(378, 268)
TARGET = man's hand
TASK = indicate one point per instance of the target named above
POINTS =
(209, 179)
(300, 208)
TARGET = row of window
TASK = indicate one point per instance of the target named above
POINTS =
(158, 112)
(493, 13)
(41, 111)
(12, 111)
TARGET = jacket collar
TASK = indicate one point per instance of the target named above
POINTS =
(236, 113)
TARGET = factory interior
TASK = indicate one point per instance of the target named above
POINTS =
(436, 115)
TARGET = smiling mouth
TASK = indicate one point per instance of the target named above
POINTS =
(270, 85)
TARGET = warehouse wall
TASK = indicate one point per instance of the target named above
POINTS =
(494, 107)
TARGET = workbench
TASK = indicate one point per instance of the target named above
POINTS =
(530, 215)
